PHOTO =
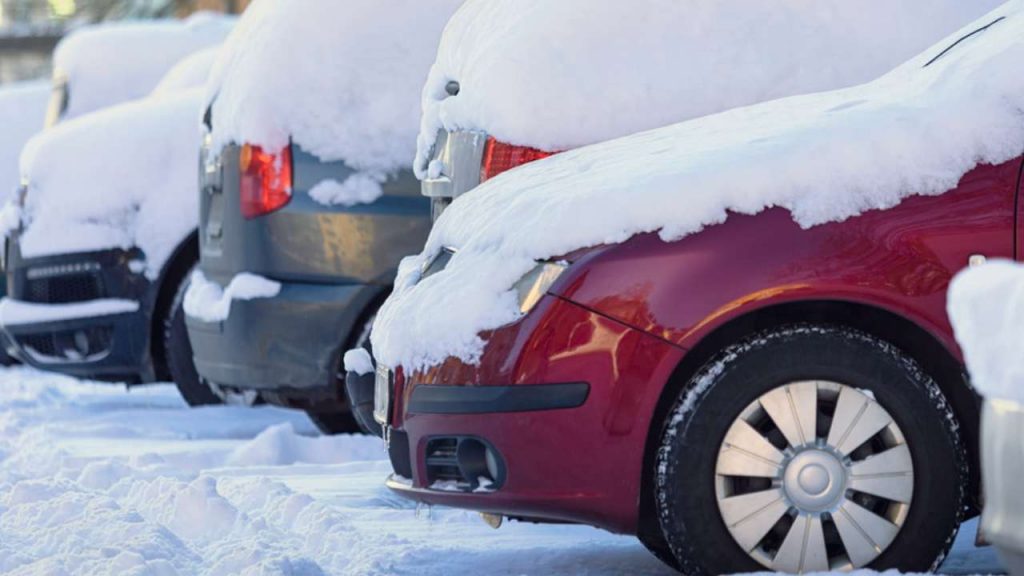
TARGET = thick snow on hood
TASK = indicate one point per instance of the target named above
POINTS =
(986, 306)
(192, 72)
(340, 79)
(22, 109)
(109, 64)
(825, 157)
(118, 178)
(559, 75)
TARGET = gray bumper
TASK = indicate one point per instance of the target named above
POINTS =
(1002, 470)
(289, 344)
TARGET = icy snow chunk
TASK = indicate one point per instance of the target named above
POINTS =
(825, 157)
(347, 91)
(986, 307)
(359, 361)
(356, 189)
(280, 446)
(207, 301)
(559, 75)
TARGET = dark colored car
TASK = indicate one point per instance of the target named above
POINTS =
(335, 265)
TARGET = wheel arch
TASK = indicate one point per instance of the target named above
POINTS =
(184, 257)
(935, 358)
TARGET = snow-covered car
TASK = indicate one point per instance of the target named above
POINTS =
(726, 336)
(112, 63)
(307, 193)
(105, 240)
(986, 305)
(578, 72)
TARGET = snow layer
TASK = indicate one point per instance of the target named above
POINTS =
(102, 481)
(825, 157)
(17, 313)
(344, 90)
(559, 75)
(191, 72)
(109, 64)
(118, 178)
(358, 360)
(209, 302)
(986, 306)
(356, 189)
(22, 109)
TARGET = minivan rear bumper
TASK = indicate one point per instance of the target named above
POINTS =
(280, 345)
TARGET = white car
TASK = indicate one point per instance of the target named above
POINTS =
(107, 64)
(106, 237)
(986, 306)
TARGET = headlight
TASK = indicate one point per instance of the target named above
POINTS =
(532, 287)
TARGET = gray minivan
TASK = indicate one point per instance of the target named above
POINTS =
(335, 265)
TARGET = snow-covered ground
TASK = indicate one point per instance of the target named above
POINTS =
(98, 480)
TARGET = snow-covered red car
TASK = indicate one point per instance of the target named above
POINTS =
(106, 64)
(726, 336)
(103, 239)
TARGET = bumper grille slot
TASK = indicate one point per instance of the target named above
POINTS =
(463, 464)
(67, 346)
(64, 289)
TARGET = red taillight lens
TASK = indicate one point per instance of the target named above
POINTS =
(500, 157)
(266, 180)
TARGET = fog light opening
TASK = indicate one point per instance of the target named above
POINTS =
(479, 464)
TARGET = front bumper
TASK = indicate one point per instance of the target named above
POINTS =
(83, 314)
(1002, 467)
(563, 399)
(288, 345)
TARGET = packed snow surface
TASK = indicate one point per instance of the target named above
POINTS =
(559, 75)
(340, 79)
(825, 157)
(22, 110)
(210, 302)
(986, 306)
(108, 64)
(119, 178)
(102, 481)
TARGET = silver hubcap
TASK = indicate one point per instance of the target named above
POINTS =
(814, 476)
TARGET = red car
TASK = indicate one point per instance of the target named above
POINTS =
(658, 386)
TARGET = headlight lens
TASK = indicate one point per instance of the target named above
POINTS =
(532, 287)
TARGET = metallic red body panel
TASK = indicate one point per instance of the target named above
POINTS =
(626, 315)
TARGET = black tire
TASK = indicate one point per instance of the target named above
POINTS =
(357, 413)
(331, 423)
(692, 436)
(178, 352)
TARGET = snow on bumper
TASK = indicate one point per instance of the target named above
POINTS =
(208, 301)
(17, 313)
(563, 400)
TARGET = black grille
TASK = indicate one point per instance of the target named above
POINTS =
(64, 289)
(70, 344)
(442, 465)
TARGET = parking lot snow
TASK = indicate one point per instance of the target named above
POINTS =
(96, 479)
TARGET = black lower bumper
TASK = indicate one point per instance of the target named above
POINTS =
(287, 347)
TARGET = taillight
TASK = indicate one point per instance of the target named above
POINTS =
(500, 157)
(266, 180)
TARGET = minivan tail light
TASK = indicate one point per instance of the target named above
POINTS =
(265, 180)
(500, 157)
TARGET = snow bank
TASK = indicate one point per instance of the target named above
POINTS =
(22, 109)
(559, 75)
(121, 177)
(191, 72)
(209, 302)
(281, 446)
(986, 306)
(825, 157)
(346, 90)
(108, 64)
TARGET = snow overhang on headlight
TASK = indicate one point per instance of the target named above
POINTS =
(536, 283)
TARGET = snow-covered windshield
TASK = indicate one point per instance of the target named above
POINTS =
(825, 157)
(112, 63)
(525, 76)
(340, 79)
